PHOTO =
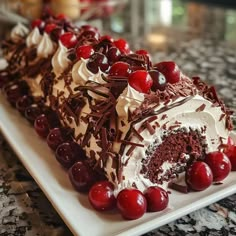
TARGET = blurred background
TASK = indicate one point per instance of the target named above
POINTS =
(149, 22)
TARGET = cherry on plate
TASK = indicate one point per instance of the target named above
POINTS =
(199, 176)
(219, 164)
(101, 196)
(55, 138)
(41, 126)
(23, 102)
(68, 153)
(157, 199)
(82, 176)
(230, 152)
(131, 203)
(32, 112)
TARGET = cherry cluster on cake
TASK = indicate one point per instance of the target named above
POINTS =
(124, 127)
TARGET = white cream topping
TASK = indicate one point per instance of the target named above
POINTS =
(45, 47)
(18, 32)
(188, 117)
(80, 73)
(33, 38)
(60, 61)
(129, 100)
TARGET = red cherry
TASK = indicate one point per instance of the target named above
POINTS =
(157, 199)
(55, 138)
(170, 70)
(120, 68)
(89, 28)
(23, 102)
(159, 80)
(61, 16)
(84, 51)
(143, 52)
(82, 176)
(37, 23)
(101, 196)
(113, 55)
(141, 81)
(199, 176)
(122, 45)
(68, 153)
(107, 38)
(32, 112)
(4, 78)
(41, 126)
(219, 164)
(131, 203)
(50, 27)
(68, 39)
(230, 142)
(230, 152)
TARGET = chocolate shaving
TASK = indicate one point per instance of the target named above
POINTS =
(201, 108)
(178, 187)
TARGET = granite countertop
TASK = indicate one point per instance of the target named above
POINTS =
(24, 209)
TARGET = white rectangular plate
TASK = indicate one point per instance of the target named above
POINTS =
(73, 207)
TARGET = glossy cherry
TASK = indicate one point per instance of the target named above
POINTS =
(50, 27)
(113, 55)
(38, 23)
(141, 81)
(32, 112)
(143, 52)
(55, 138)
(61, 16)
(107, 38)
(82, 176)
(96, 61)
(131, 203)
(13, 93)
(120, 68)
(122, 45)
(219, 164)
(159, 80)
(4, 78)
(68, 153)
(101, 196)
(84, 51)
(199, 176)
(68, 39)
(170, 70)
(157, 199)
(230, 152)
(24, 102)
(41, 126)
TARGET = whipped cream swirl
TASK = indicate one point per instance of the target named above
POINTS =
(130, 99)
(45, 47)
(80, 73)
(60, 59)
(33, 38)
(18, 32)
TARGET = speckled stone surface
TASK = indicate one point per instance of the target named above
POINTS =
(24, 209)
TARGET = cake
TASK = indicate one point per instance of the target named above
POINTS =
(136, 123)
